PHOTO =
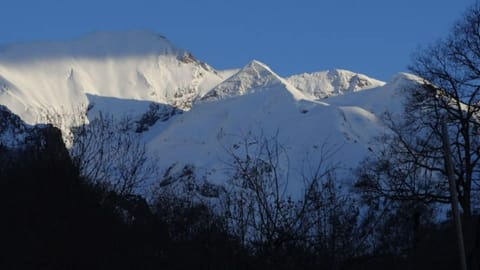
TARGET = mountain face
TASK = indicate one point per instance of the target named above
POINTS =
(197, 116)
(40, 77)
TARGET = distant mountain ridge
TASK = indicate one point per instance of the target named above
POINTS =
(333, 82)
(140, 65)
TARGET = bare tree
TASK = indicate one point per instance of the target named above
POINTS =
(108, 152)
(259, 187)
(412, 164)
(260, 210)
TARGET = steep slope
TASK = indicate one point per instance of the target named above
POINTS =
(332, 83)
(39, 77)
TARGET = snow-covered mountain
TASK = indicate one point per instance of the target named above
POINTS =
(226, 113)
(39, 77)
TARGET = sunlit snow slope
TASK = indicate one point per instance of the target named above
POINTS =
(255, 104)
(39, 77)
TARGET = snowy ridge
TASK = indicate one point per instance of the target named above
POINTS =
(332, 83)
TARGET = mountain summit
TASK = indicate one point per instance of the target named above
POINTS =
(253, 77)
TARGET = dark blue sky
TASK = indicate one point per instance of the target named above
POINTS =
(375, 37)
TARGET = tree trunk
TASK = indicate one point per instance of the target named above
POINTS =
(454, 196)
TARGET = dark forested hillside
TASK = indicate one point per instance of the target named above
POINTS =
(52, 218)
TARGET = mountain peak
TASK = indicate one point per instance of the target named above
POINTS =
(252, 77)
(258, 70)
(257, 65)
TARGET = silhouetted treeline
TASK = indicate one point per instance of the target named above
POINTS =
(52, 218)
